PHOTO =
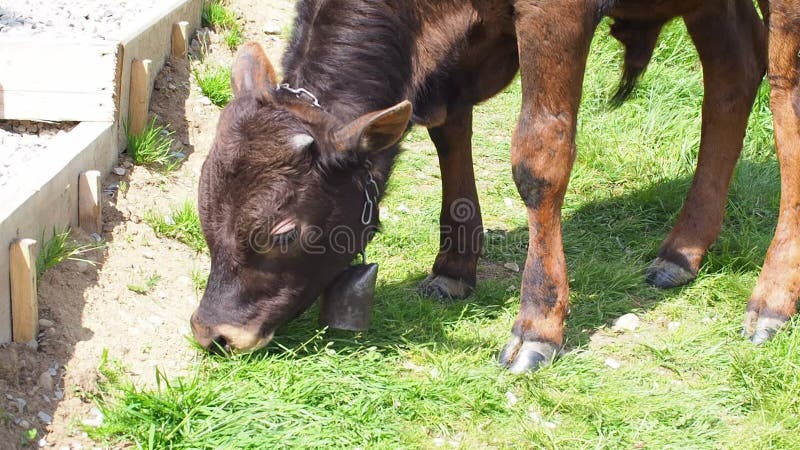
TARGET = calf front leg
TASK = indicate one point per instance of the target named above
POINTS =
(461, 229)
(774, 299)
(729, 37)
(553, 42)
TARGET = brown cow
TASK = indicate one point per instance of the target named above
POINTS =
(293, 165)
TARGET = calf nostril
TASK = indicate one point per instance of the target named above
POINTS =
(219, 345)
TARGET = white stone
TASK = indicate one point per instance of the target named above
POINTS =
(95, 418)
(119, 171)
(46, 323)
(627, 322)
(512, 266)
(272, 27)
(613, 363)
(511, 398)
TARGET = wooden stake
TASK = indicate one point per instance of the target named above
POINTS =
(139, 95)
(180, 39)
(90, 208)
(24, 304)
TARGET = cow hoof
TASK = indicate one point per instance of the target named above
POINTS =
(520, 356)
(761, 329)
(664, 274)
(444, 288)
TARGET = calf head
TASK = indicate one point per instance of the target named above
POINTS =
(281, 199)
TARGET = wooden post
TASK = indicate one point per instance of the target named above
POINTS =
(90, 208)
(180, 39)
(139, 95)
(24, 304)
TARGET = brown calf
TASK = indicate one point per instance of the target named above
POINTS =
(294, 164)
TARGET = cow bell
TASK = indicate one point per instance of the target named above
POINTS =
(346, 303)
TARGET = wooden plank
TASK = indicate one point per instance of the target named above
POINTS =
(45, 79)
(140, 95)
(151, 40)
(57, 106)
(48, 196)
(180, 39)
(24, 304)
(90, 211)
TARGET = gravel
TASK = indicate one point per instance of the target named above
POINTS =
(79, 19)
(22, 141)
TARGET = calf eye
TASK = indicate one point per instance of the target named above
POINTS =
(285, 237)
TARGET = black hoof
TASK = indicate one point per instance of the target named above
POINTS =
(520, 357)
(441, 287)
(761, 328)
(664, 274)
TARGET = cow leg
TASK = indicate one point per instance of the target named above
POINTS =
(461, 229)
(774, 299)
(729, 37)
(553, 39)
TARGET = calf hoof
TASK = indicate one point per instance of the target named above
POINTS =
(760, 329)
(444, 288)
(664, 274)
(521, 356)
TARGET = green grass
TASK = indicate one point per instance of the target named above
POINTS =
(216, 14)
(424, 375)
(233, 37)
(153, 147)
(181, 223)
(199, 279)
(215, 83)
(146, 285)
(59, 248)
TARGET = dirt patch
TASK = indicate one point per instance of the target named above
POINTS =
(87, 309)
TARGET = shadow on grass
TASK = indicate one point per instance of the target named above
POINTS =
(609, 244)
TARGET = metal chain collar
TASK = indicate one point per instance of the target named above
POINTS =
(299, 92)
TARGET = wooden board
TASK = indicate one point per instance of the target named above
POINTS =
(153, 40)
(90, 202)
(48, 197)
(58, 80)
(24, 303)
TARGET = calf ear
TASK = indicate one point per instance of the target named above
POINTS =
(375, 131)
(252, 71)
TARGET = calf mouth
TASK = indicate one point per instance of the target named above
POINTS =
(229, 339)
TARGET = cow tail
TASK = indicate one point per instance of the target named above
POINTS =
(639, 39)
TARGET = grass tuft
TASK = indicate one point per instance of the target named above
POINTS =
(153, 147)
(215, 83)
(142, 288)
(216, 14)
(233, 37)
(61, 247)
(181, 223)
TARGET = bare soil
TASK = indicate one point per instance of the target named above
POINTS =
(88, 309)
